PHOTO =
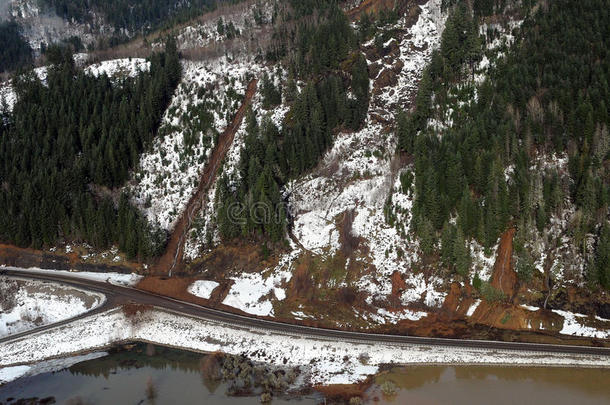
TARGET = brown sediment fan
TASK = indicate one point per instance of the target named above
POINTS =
(172, 260)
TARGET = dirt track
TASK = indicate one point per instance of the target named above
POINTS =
(172, 261)
(504, 277)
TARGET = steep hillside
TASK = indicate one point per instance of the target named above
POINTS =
(96, 24)
(430, 167)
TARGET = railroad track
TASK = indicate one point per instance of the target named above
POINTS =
(117, 295)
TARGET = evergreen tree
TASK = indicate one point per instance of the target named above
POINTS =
(601, 264)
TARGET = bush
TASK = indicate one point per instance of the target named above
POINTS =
(491, 294)
(476, 282)
(211, 366)
(388, 388)
(266, 397)
(525, 267)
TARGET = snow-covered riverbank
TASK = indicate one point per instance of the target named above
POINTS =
(28, 304)
(327, 361)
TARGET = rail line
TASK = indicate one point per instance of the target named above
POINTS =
(117, 294)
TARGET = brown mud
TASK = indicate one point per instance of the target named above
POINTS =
(26, 258)
(172, 260)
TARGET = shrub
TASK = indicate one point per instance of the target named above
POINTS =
(491, 294)
(210, 366)
(476, 282)
(388, 388)
(364, 358)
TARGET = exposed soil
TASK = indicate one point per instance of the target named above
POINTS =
(504, 277)
(398, 284)
(232, 257)
(25, 258)
(175, 287)
(172, 260)
(452, 300)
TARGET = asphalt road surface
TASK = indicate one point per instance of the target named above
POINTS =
(118, 295)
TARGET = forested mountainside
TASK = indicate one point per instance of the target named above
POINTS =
(130, 15)
(270, 156)
(69, 139)
(15, 52)
(31, 26)
(519, 149)
(436, 167)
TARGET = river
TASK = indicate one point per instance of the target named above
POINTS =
(125, 375)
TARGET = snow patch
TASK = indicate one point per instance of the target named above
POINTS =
(473, 308)
(30, 304)
(126, 280)
(8, 374)
(250, 292)
(116, 68)
(203, 288)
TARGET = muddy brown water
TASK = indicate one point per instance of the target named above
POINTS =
(435, 385)
(122, 377)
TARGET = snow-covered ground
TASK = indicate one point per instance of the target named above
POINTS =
(482, 264)
(204, 32)
(8, 95)
(202, 288)
(169, 172)
(575, 324)
(126, 280)
(251, 293)
(116, 68)
(205, 223)
(572, 326)
(26, 305)
(358, 174)
(40, 24)
(8, 374)
(327, 361)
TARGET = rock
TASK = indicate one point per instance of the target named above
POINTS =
(392, 49)
(379, 119)
(397, 68)
(374, 70)
(415, 48)
(386, 78)
(372, 53)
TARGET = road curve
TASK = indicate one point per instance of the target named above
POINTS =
(116, 295)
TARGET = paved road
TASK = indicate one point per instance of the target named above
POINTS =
(117, 295)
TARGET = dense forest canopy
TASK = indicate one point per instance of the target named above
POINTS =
(132, 15)
(15, 52)
(547, 97)
(68, 143)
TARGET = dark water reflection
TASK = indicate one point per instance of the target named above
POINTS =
(122, 378)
